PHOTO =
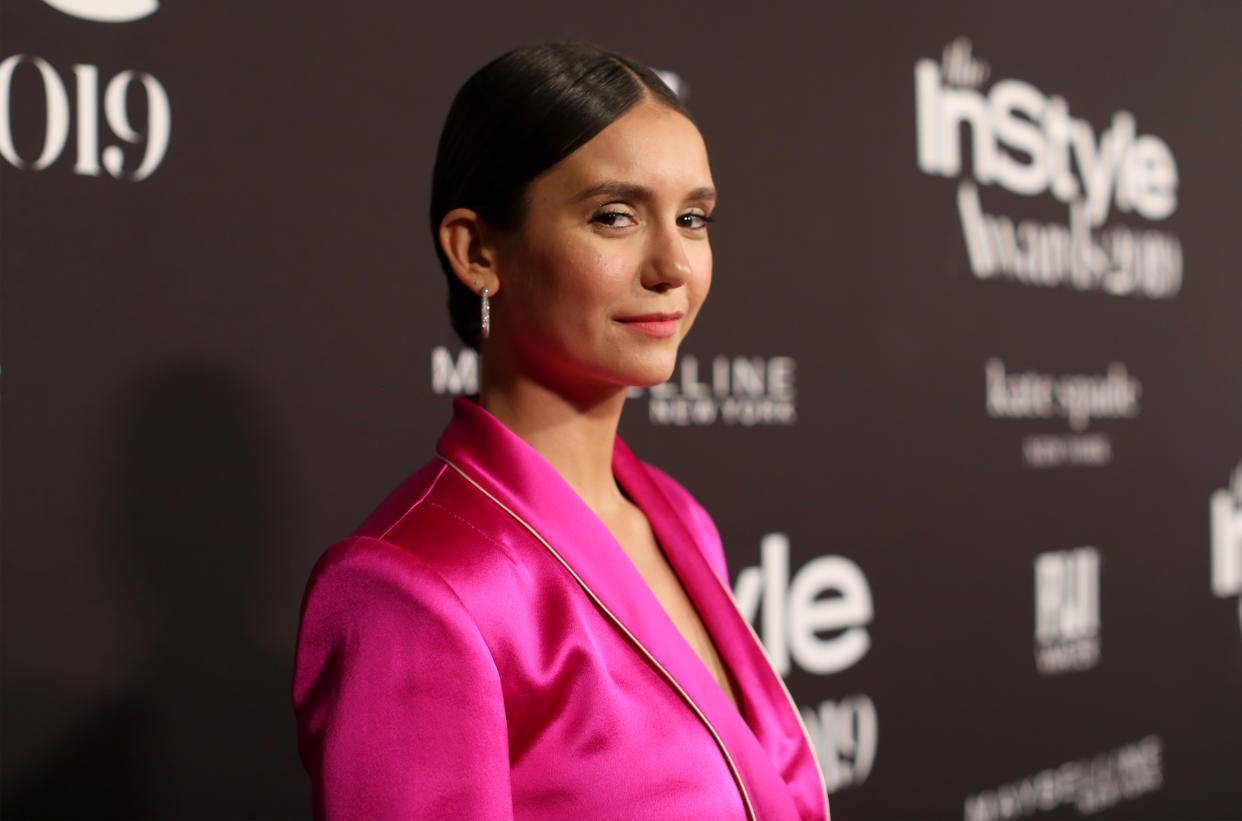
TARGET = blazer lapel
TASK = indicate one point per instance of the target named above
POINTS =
(771, 718)
(516, 476)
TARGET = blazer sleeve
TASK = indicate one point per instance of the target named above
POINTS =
(398, 701)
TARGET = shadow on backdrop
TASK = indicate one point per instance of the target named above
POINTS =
(204, 728)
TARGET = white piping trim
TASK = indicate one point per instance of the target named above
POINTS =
(823, 785)
(737, 776)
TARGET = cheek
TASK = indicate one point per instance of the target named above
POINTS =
(570, 286)
(593, 278)
(545, 273)
(703, 271)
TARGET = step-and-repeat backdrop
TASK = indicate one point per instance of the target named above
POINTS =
(966, 401)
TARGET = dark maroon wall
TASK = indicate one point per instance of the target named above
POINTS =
(984, 433)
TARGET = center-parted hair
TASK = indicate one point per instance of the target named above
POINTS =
(515, 118)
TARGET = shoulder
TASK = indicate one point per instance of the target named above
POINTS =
(438, 541)
(418, 555)
(363, 585)
(694, 515)
(442, 521)
(390, 657)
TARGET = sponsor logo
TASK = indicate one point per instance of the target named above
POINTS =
(454, 374)
(1089, 785)
(730, 390)
(1077, 398)
(1026, 143)
(738, 390)
(1226, 508)
(106, 11)
(90, 160)
(675, 83)
(818, 619)
(844, 734)
(1067, 610)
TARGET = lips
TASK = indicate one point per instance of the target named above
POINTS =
(659, 325)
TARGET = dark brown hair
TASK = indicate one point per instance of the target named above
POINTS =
(512, 120)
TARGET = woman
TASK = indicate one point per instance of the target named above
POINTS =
(536, 624)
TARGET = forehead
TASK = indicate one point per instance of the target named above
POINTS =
(651, 145)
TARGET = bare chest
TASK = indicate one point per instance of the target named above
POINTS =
(639, 543)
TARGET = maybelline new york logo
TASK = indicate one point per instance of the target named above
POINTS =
(82, 110)
(1088, 785)
(1067, 610)
(733, 390)
(1227, 540)
(1077, 398)
(1026, 142)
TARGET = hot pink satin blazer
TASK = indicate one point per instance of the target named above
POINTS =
(482, 648)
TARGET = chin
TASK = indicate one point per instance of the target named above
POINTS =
(649, 375)
(646, 383)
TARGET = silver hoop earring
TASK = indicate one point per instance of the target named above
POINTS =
(486, 309)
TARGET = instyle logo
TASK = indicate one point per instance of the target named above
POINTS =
(731, 390)
(91, 158)
(844, 733)
(1089, 785)
(106, 11)
(818, 620)
(1026, 142)
(819, 617)
(1079, 399)
(1067, 610)
(674, 82)
(1226, 506)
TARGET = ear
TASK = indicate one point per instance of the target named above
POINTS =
(466, 243)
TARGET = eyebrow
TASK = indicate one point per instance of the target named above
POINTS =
(631, 190)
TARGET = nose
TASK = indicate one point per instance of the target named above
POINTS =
(668, 265)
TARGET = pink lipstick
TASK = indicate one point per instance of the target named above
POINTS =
(660, 326)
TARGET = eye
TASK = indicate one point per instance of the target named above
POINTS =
(694, 220)
(615, 216)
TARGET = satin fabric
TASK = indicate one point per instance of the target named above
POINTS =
(482, 648)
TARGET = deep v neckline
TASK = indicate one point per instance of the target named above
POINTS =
(764, 733)
(697, 634)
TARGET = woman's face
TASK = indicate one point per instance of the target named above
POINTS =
(607, 273)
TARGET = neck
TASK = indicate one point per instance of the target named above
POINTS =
(574, 434)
